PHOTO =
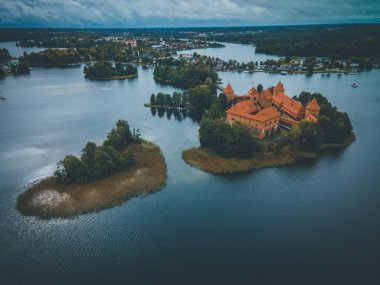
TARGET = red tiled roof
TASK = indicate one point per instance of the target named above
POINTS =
(288, 104)
(279, 87)
(245, 107)
(311, 118)
(267, 114)
(289, 120)
(313, 105)
(267, 94)
(228, 89)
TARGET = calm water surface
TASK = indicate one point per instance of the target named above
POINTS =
(316, 223)
(239, 52)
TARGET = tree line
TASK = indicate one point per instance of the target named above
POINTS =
(52, 58)
(227, 140)
(97, 162)
(332, 40)
(184, 76)
(107, 70)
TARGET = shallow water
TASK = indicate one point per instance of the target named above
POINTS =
(315, 223)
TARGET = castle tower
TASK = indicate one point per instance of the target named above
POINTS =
(279, 88)
(312, 109)
(229, 92)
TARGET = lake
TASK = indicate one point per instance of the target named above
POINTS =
(315, 223)
(240, 52)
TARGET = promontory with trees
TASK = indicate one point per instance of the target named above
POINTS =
(103, 176)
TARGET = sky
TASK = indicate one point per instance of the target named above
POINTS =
(184, 13)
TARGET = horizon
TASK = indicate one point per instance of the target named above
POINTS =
(172, 14)
(188, 27)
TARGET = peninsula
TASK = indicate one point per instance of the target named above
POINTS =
(104, 176)
(267, 128)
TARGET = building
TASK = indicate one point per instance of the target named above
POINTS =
(131, 42)
(265, 111)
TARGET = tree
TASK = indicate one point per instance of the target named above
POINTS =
(152, 99)
(160, 99)
(176, 99)
(310, 136)
(222, 98)
(251, 65)
(88, 152)
(260, 88)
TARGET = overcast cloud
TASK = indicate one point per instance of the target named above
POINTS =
(141, 13)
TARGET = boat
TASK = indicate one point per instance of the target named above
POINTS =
(2, 98)
(354, 85)
(284, 72)
(246, 71)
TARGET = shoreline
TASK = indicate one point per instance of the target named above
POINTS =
(118, 77)
(47, 199)
(210, 162)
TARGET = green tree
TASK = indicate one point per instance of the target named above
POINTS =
(260, 88)
(152, 99)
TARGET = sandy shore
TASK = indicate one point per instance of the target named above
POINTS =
(47, 199)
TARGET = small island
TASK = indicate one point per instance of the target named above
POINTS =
(124, 166)
(267, 128)
(105, 70)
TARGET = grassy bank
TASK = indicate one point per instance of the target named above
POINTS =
(208, 161)
(47, 199)
(119, 77)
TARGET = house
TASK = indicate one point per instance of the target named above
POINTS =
(131, 42)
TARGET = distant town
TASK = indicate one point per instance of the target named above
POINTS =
(162, 47)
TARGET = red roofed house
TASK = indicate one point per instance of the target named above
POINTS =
(264, 111)
(132, 43)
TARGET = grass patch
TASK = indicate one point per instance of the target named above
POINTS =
(119, 77)
(210, 162)
(47, 199)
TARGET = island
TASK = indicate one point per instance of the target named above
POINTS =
(124, 166)
(267, 128)
(105, 70)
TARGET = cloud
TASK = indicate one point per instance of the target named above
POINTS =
(128, 13)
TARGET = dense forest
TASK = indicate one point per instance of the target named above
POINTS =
(184, 76)
(320, 40)
(227, 140)
(108, 70)
(97, 162)
(52, 58)
(199, 97)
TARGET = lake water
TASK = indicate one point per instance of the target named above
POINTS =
(15, 51)
(239, 52)
(316, 223)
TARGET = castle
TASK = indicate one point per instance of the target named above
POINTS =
(265, 111)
